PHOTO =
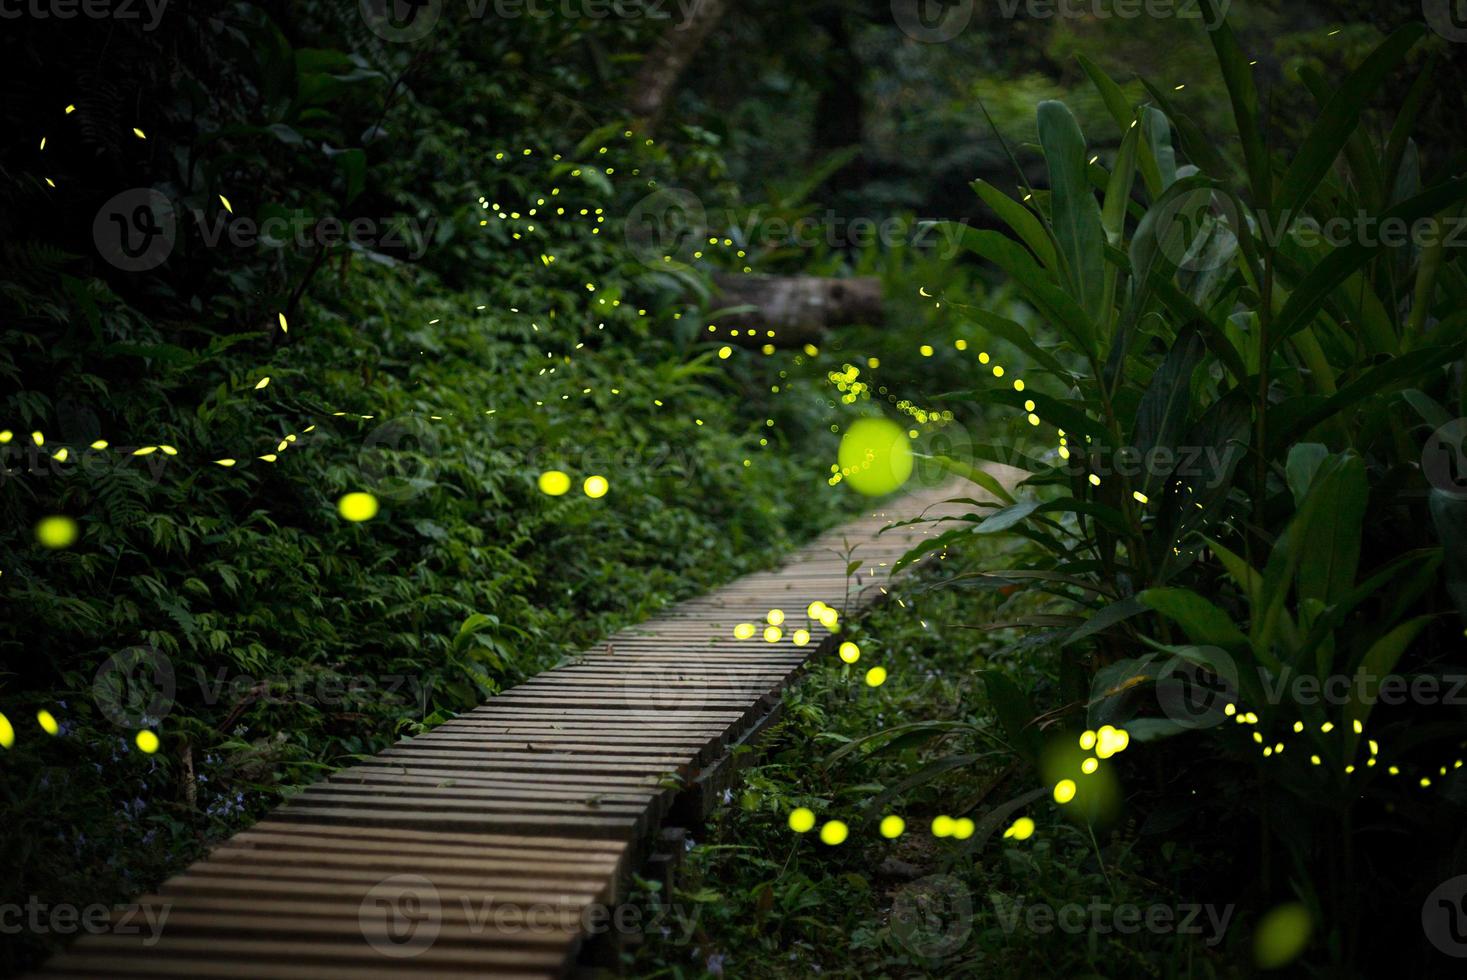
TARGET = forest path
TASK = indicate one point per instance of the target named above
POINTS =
(496, 843)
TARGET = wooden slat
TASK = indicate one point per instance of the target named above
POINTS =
(531, 801)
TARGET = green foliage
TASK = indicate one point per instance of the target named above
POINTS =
(1238, 389)
(442, 374)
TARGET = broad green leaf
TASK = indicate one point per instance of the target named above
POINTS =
(1074, 211)
(1238, 76)
(1331, 545)
(1024, 222)
(1204, 623)
(1110, 615)
(1058, 306)
(1162, 414)
(976, 475)
(1303, 462)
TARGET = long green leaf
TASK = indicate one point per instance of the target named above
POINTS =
(1074, 211)
(1338, 120)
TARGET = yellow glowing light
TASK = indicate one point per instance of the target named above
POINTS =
(7, 732)
(5, 436)
(147, 741)
(1089, 766)
(876, 676)
(47, 721)
(876, 455)
(800, 637)
(224, 462)
(1094, 480)
(998, 370)
(139, 133)
(595, 487)
(1064, 791)
(1087, 740)
(834, 832)
(829, 618)
(225, 201)
(1359, 728)
(262, 382)
(849, 652)
(963, 828)
(357, 506)
(814, 609)
(38, 438)
(724, 352)
(57, 532)
(925, 350)
(775, 617)
(1109, 741)
(284, 327)
(892, 826)
(554, 483)
(1020, 829)
(1282, 934)
(943, 826)
(743, 631)
(772, 634)
(100, 444)
(801, 820)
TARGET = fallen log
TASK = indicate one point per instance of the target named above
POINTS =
(797, 308)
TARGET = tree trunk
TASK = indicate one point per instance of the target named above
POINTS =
(657, 79)
(797, 308)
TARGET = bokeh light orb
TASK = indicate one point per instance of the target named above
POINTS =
(1282, 935)
(554, 483)
(357, 507)
(57, 532)
(876, 456)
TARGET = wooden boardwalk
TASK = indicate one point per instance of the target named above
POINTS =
(493, 844)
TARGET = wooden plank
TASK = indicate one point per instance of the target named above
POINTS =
(537, 798)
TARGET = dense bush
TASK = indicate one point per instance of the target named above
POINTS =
(441, 361)
(1232, 509)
